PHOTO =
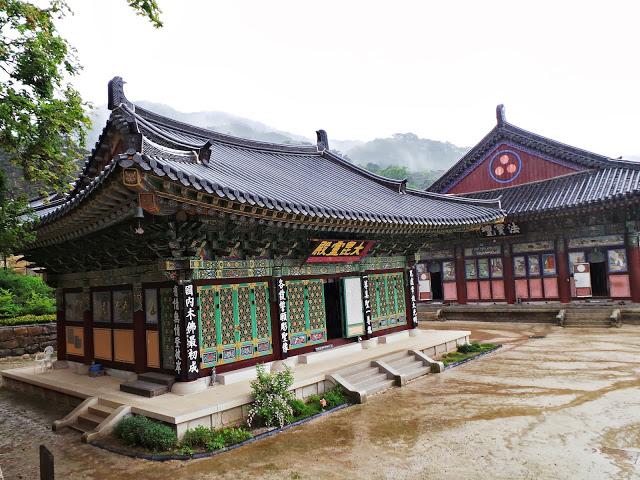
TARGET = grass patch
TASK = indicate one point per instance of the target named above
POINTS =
(27, 320)
(466, 351)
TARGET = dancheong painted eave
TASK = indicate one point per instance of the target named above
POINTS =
(306, 182)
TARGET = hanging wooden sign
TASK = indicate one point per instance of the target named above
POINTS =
(500, 230)
(338, 251)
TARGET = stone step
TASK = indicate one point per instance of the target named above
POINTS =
(415, 371)
(100, 410)
(379, 387)
(159, 378)
(588, 325)
(89, 421)
(362, 375)
(372, 380)
(394, 356)
(353, 369)
(144, 389)
(401, 362)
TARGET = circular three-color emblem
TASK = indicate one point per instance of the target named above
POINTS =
(505, 166)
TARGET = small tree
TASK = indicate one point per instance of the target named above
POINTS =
(273, 398)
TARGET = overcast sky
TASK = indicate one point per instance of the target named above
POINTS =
(364, 69)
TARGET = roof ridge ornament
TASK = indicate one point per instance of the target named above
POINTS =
(116, 96)
(500, 115)
(322, 140)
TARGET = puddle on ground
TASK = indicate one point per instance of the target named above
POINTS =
(539, 408)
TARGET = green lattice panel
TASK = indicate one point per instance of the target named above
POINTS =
(296, 314)
(388, 304)
(207, 326)
(166, 328)
(241, 321)
(305, 308)
(317, 316)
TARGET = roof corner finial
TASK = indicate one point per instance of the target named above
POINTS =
(500, 116)
(116, 96)
(323, 140)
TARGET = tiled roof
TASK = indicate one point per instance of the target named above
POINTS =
(579, 189)
(303, 179)
(505, 131)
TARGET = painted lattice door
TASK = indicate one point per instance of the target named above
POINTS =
(387, 299)
(306, 313)
(235, 322)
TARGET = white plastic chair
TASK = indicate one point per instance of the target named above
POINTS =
(43, 360)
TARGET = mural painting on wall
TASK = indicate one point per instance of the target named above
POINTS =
(617, 260)
(505, 166)
(548, 264)
(448, 271)
(575, 258)
(519, 267)
(534, 265)
(496, 267)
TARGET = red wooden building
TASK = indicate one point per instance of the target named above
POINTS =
(571, 230)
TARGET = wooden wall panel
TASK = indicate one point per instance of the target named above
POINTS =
(153, 349)
(619, 286)
(102, 343)
(485, 290)
(550, 287)
(75, 340)
(123, 346)
(533, 168)
(450, 290)
(472, 290)
(497, 286)
(522, 288)
(535, 288)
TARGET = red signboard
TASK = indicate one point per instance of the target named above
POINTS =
(339, 251)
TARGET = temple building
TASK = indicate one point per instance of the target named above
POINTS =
(180, 249)
(571, 231)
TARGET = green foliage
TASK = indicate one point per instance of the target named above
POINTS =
(26, 319)
(466, 351)
(335, 396)
(24, 294)
(272, 398)
(149, 9)
(303, 410)
(203, 438)
(43, 120)
(141, 431)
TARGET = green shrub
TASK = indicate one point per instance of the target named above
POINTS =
(470, 348)
(24, 294)
(304, 410)
(335, 396)
(27, 320)
(231, 436)
(158, 437)
(141, 431)
(272, 398)
(203, 438)
(199, 437)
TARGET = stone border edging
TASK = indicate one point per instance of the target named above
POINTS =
(455, 364)
(166, 457)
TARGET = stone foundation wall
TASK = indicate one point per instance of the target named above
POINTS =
(21, 339)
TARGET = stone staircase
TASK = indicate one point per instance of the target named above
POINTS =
(365, 379)
(585, 317)
(94, 416)
(149, 384)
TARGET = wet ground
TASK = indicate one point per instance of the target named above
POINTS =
(560, 407)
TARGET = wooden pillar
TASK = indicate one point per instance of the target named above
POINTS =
(139, 340)
(633, 265)
(564, 277)
(87, 319)
(61, 333)
(507, 270)
(461, 285)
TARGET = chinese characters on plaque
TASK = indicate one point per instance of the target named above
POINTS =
(366, 302)
(190, 330)
(500, 230)
(282, 313)
(176, 330)
(324, 251)
(414, 308)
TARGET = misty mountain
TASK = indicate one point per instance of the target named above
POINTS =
(403, 155)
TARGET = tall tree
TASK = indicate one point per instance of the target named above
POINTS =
(43, 119)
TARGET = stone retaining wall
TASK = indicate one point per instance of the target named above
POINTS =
(21, 339)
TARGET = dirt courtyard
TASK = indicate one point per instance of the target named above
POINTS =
(560, 407)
